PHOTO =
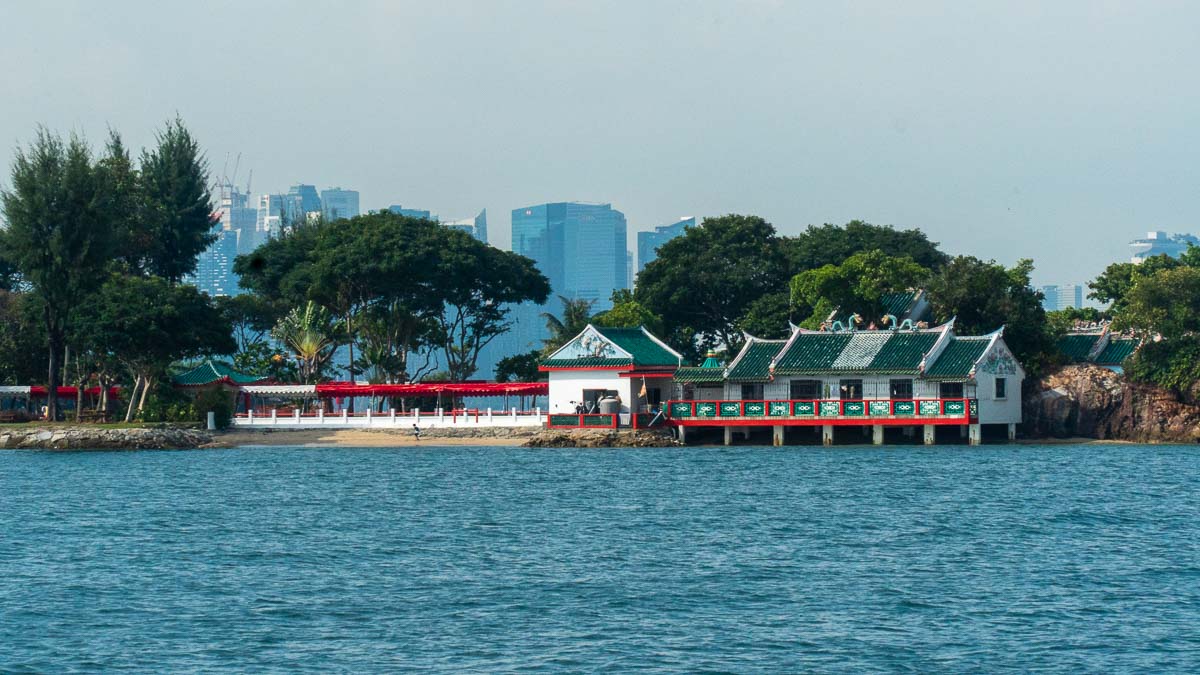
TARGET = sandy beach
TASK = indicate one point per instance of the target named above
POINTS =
(351, 438)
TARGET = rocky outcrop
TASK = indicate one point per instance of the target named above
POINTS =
(1092, 402)
(100, 438)
(601, 438)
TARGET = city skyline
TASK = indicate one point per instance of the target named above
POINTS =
(838, 113)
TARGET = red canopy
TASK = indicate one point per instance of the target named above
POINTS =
(70, 392)
(342, 389)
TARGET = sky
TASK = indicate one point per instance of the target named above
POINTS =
(1005, 130)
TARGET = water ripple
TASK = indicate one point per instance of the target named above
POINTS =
(1021, 558)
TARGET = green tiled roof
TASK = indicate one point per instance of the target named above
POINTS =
(645, 351)
(957, 358)
(587, 362)
(1117, 351)
(860, 352)
(700, 374)
(754, 361)
(896, 303)
(1077, 347)
(811, 353)
(213, 371)
(903, 352)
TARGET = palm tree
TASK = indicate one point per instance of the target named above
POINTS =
(576, 314)
(312, 336)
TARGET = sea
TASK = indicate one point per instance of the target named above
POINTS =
(1058, 558)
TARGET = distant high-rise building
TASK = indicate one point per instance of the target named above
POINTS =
(579, 247)
(648, 242)
(300, 201)
(1160, 243)
(412, 213)
(476, 227)
(1062, 297)
(337, 203)
(214, 267)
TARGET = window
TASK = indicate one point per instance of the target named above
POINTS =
(901, 389)
(1001, 387)
(851, 390)
(752, 392)
(951, 390)
(805, 390)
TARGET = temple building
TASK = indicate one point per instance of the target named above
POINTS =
(911, 377)
(1096, 343)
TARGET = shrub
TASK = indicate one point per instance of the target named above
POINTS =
(215, 400)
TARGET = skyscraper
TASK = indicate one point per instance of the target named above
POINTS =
(476, 227)
(580, 248)
(214, 267)
(300, 201)
(337, 203)
(411, 213)
(1062, 297)
(648, 242)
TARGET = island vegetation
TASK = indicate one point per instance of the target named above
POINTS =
(97, 248)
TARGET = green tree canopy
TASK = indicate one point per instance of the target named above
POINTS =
(519, 367)
(1166, 303)
(984, 296)
(857, 286)
(704, 282)
(832, 244)
(59, 235)
(177, 208)
(1114, 284)
(146, 323)
(627, 312)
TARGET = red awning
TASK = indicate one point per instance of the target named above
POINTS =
(70, 392)
(343, 389)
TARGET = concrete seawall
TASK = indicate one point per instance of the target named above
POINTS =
(100, 438)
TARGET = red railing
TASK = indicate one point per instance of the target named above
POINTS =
(959, 410)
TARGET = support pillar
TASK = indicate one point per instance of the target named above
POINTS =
(682, 434)
(976, 434)
(777, 437)
(1012, 432)
(930, 436)
(877, 434)
(827, 434)
(728, 435)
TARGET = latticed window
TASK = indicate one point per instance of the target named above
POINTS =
(901, 389)
(851, 390)
(951, 390)
(752, 392)
(804, 390)
(1001, 387)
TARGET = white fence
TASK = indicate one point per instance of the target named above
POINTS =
(391, 419)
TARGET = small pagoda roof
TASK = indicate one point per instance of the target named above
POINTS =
(211, 372)
(598, 347)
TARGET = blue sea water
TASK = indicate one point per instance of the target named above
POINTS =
(1056, 558)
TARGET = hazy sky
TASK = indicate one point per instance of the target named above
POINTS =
(1051, 130)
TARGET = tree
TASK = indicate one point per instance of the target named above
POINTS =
(22, 338)
(704, 282)
(576, 314)
(1114, 284)
(770, 316)
(147, 323)
(519, 367)
(477, 283)
(1165, 304)
(59, 234)
(627, 312)
(857, 286)
(984, 296)
(832, 244)
(178, 209)
(390, 336)
(312, 335)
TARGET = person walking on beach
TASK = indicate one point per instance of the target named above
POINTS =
(416, 432)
